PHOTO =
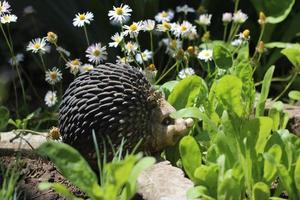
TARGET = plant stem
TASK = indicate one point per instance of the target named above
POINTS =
(236, 5)
(276, 79)
(163, 75)
(86, 35)
(139, 48)
(225, 32)
(287, 86)
(151, 44)
(43, 63)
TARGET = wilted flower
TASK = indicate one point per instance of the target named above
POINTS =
(245, 35)
(53, 76)
(144, 56)
(186, 72)
(131, 47)
(16, 60)
(96, 53)
(133, 30)
(164, 16)
(119, 14)
(4, 7)
(8, 18)
(51, 37)
(83, 18)
(50, 98)
(86, 68)
(185, 9)
(227, 17)
(262, 18)
(204, 19)
(117, 39)
(239, 17)
(54, 133)
(74, 66)
(260, 47)
(205, 54)
(148, 25)
(38, 45)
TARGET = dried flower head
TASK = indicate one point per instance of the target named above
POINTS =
(51, 37)
(54, 133)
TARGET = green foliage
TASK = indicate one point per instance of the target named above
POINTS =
(295, 95)
(4, 117)
(9, 179)
(222, 56)
(120, 176)
(292, 53)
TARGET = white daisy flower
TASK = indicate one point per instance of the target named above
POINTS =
(119, 14)
(16, 60)
(117, 39)
(133, 30)
(172, 46)
(83, 18)
(6, 19)
(236, 42)
(205, 54)
(227, 17)
(183, 29)
(204, 19)
(164, 26)
(53, 76)
(86, 68)
(164, 16)
(96, 53)
(148, 25)
(185, 9)
(4, 8)
(28, 10)
(38, 45)
(239, 17)
(124, 60)
(74, 66)
(50, 98)
(144, 56)
(131, 47)
(186, 72)
(150, 72)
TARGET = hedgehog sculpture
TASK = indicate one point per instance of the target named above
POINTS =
(117, 101)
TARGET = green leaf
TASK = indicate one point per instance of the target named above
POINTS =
(192, 112)
(130, 188)
(297, 175)
(4, 117)
(207, 176)
(186, 92)
(280, 45)
(260, 108)
(275, 10)
(167, 87)
(265, 127)
(190, 155)
(58, 188)
(72, 165)
(285, 177)
(228, 90)
(198, 192)
(272, 159)
(229, 188)
(295, 95)
(261, 191)
(293, 54)
(222, 56)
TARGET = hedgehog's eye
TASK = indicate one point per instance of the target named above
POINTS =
(167, 121)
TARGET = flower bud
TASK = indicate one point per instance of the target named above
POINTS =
(262, 18)
(51, 37)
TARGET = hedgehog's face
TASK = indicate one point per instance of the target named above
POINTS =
(166, 130)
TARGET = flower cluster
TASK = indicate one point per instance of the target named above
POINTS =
(5, 13)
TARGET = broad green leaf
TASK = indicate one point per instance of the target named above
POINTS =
(228, 90)
(280, 45)
(293, 54)
(295, 95)
(229, 188)
(272, 159)
(4, 117)
(190, 155)
(168, 87)
(260, 107)
(186, 92)
(222, 56)
(72, 165)
(207, 176)
(58, 188)
(192, 112)
(285, 177)
(297, 175)
(275, 10)
(198, 192)
(130, 188)
(265, 127)
(261, 191)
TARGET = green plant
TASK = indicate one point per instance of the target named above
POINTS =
(8, 182)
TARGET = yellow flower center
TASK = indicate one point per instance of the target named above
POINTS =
(183, 28)
(53, 75)
(133, 27)
(166, 25)
(75, 62)
(96, 52)
(82, 17)
(173, 44)
(37, 45)
(164, 14)
(206, 54)
(151, 67)
(119, 11)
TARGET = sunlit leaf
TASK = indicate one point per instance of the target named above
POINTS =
(222, 56)
(261, 191)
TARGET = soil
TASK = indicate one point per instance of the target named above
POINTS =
(35, 171)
